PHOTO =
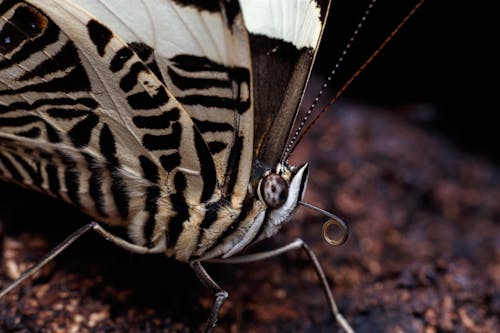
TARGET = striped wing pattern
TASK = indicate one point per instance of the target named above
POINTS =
(83, 118)
(205, 66)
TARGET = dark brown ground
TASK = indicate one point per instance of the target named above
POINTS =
(423, 254)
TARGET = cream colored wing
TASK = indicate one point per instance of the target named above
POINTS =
(200, 49)
(84, 119)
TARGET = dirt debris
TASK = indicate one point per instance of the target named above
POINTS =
(423, 253)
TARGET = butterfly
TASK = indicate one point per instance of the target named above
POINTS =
(168, 118)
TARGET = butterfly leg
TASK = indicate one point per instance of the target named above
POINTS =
(220, 294)
(295, 245)
(47, 258)
(67, 242)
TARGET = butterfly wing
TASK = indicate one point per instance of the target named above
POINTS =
(284, 38)
(200, 49)
(83, 118)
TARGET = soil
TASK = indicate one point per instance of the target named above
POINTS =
(423, 254)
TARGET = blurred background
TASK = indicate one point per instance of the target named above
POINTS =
(408, 156)
(442, 57)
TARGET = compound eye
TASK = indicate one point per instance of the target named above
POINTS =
(274, 190)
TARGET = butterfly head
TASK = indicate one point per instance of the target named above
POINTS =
(279, 189)
(282, 186)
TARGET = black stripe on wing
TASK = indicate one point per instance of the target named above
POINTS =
(107, 145)
(231, 7)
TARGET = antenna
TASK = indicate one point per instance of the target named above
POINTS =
(299, 134)
(290, 148)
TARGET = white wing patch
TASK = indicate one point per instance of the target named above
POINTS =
(164, 25)
(294, 21)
